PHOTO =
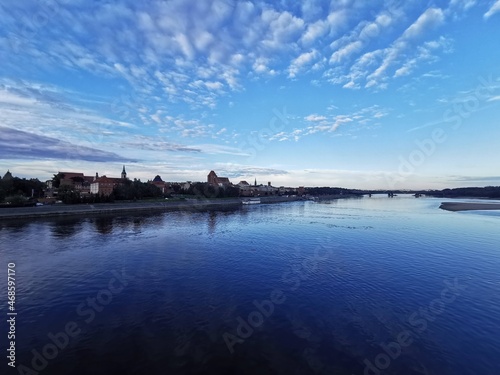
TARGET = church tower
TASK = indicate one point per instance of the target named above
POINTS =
(124, 174)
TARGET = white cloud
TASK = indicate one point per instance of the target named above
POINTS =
(424, 53)
(346, 51)
(314, 31)
(282, 28)
(465, 4)
(351, 85)
(9, 98)
(314, 118)
(260, 66)
(431, 18)
(360, 119)
(495, 8)
(298, 63)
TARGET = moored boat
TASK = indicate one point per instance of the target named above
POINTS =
(250, 201)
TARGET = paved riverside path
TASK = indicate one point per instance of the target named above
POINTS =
(121, 207)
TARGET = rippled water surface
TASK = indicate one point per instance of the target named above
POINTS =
(359, 286)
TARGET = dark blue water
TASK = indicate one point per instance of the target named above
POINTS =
(361, 286)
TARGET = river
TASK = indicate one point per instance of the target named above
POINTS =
(355, 286)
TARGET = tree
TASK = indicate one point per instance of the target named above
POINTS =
(56, 180)
(68, 195)
(132, 190)
(28, 187)
(16, 200)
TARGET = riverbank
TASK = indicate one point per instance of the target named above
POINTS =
(464, 206)
(114, 208)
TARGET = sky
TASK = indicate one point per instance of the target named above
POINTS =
(355, 94)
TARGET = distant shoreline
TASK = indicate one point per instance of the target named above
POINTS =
(59, 210)
(465, 206)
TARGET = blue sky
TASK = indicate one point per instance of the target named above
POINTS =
(366, 94)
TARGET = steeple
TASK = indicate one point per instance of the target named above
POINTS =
(7, 176)
(255, 183)
(124, 174)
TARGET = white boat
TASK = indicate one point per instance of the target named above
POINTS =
(250, 201)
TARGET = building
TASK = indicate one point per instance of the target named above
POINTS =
(267, 189)
(215, 180)
(160, 184)
(76, 180)
(104, 185)
(7, 175)
(247, 190)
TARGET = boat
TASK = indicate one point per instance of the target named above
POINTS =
(250, 201)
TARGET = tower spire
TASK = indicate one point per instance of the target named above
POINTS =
(124, 174)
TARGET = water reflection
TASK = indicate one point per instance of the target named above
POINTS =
(13, 226)
(184, 293)
(212, 222)
(104, 225)
(65, 228)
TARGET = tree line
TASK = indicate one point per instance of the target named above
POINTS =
(16, 191)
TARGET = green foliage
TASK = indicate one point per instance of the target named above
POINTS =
(68, 195)
(21, 187)
(326, 191)
(204, 190)
(56, 180)
(133, 190)
(472, 192)
(176, 188)
(16, 200)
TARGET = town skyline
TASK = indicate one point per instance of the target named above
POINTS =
(368, 95)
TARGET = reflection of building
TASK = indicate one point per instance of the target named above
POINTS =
(215, 180)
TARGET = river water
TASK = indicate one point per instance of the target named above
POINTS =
(355, 286)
